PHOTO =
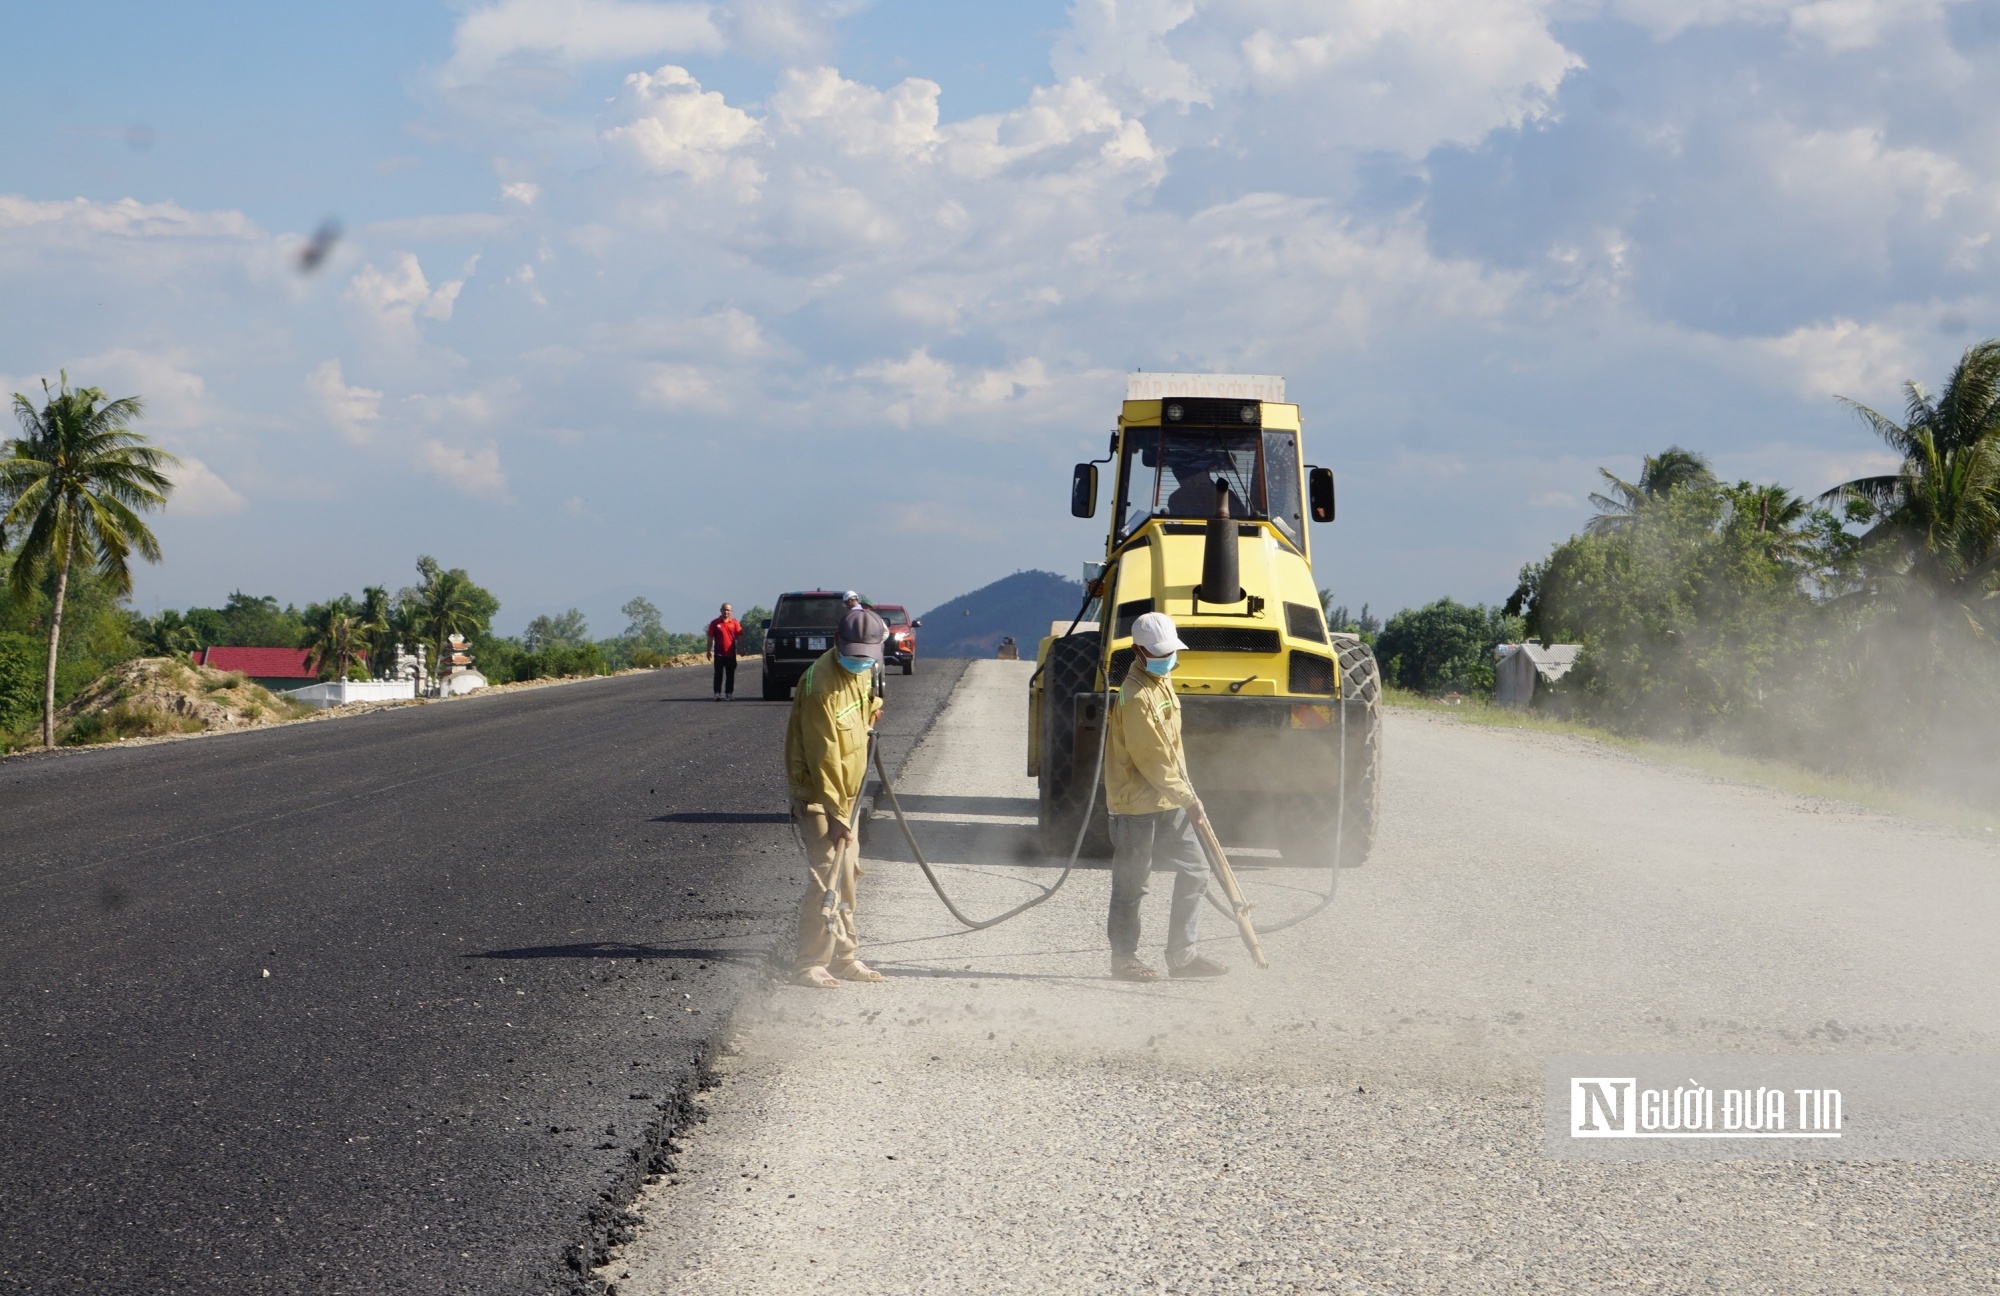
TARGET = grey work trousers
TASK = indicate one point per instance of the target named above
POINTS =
(1141, 843)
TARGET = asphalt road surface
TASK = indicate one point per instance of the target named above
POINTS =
(1367, 1116)
(398, 1002)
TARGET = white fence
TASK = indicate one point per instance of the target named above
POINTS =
(340, 692)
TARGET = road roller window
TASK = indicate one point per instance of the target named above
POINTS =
(1172, 474)
(1281, 484)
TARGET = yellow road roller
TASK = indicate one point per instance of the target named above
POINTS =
(1210, 496)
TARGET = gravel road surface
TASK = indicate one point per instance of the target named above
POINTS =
(1000, 1117)
(401, 1002)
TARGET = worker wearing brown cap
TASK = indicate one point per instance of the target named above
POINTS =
(826, 762)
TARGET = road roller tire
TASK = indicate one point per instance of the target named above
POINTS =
(1064, 780)
(1315, 824)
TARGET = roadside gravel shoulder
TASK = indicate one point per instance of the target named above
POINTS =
(1001, 1117)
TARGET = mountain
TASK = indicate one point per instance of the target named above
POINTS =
(1021, 605)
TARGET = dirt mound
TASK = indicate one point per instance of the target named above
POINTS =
(154, 697)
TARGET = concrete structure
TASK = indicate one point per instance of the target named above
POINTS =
(456, 675)
(409, 666)
(335, 693)
(460, 682)
(1518, 669)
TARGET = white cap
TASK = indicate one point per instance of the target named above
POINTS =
(1155, 633)
(851, 597)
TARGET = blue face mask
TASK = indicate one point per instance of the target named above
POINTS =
(1161, 665)
(857, 665)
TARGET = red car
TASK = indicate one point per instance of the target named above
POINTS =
(901, 647)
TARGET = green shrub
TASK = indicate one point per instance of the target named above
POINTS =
(1444, 646)
(21, 661)
(561, 661)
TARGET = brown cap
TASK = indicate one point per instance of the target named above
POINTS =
(861, 634)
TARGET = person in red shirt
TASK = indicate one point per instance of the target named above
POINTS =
(723, 632)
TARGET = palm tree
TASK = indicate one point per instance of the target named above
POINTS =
(1940, 510)
(171, 634)
(78, 475)
(374, 618)
(448, 606)
(1772, 512)
(336, 637)
(1670, 470)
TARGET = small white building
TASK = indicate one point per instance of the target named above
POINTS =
(1518, 669)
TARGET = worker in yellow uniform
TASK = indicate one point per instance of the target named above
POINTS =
(826, 761)
(1153, 809)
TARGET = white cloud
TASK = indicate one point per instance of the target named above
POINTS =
(1125, 41)
(396, 297)
(677, 127)
(1835, 24)
(125, 218)
(1406, 75)
(1053, 117)
(726, 333)
(175, 396)
(473, 471)
(355, 411)
(793, 31)
(1856, 24)
(571, 32)
(677, 386)
(858, 119)
(1857, 169)
(921, 388)
(1455, 240)
(1842, 358)
(198, 492)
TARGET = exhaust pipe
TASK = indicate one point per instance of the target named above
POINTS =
(1220, 580)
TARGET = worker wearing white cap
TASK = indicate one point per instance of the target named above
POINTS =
(826, 761)
(1153, 808)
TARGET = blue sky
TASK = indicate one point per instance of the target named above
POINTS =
(713, 300)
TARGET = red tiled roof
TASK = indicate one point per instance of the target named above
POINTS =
(260, 663)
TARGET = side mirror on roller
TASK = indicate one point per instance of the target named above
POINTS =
(1319, 489)
(1083, 491)
(917, 624)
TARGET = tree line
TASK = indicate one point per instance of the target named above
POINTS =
(1856, 631)
(73, 485)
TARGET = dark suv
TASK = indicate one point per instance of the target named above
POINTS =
(801, 630)
(901, 647)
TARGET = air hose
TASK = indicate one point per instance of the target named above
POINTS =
(1333, 869)
(1083, 827)
(1076, 848)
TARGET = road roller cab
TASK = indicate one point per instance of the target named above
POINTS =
(1210, 497)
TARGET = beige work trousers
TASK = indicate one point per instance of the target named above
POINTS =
(823, 943)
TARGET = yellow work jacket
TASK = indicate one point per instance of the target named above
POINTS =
(1145, 769)
(826, 741)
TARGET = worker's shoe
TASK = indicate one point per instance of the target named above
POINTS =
(1198, 966)
(856, 970)
(1132, 969)
(817, 977)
